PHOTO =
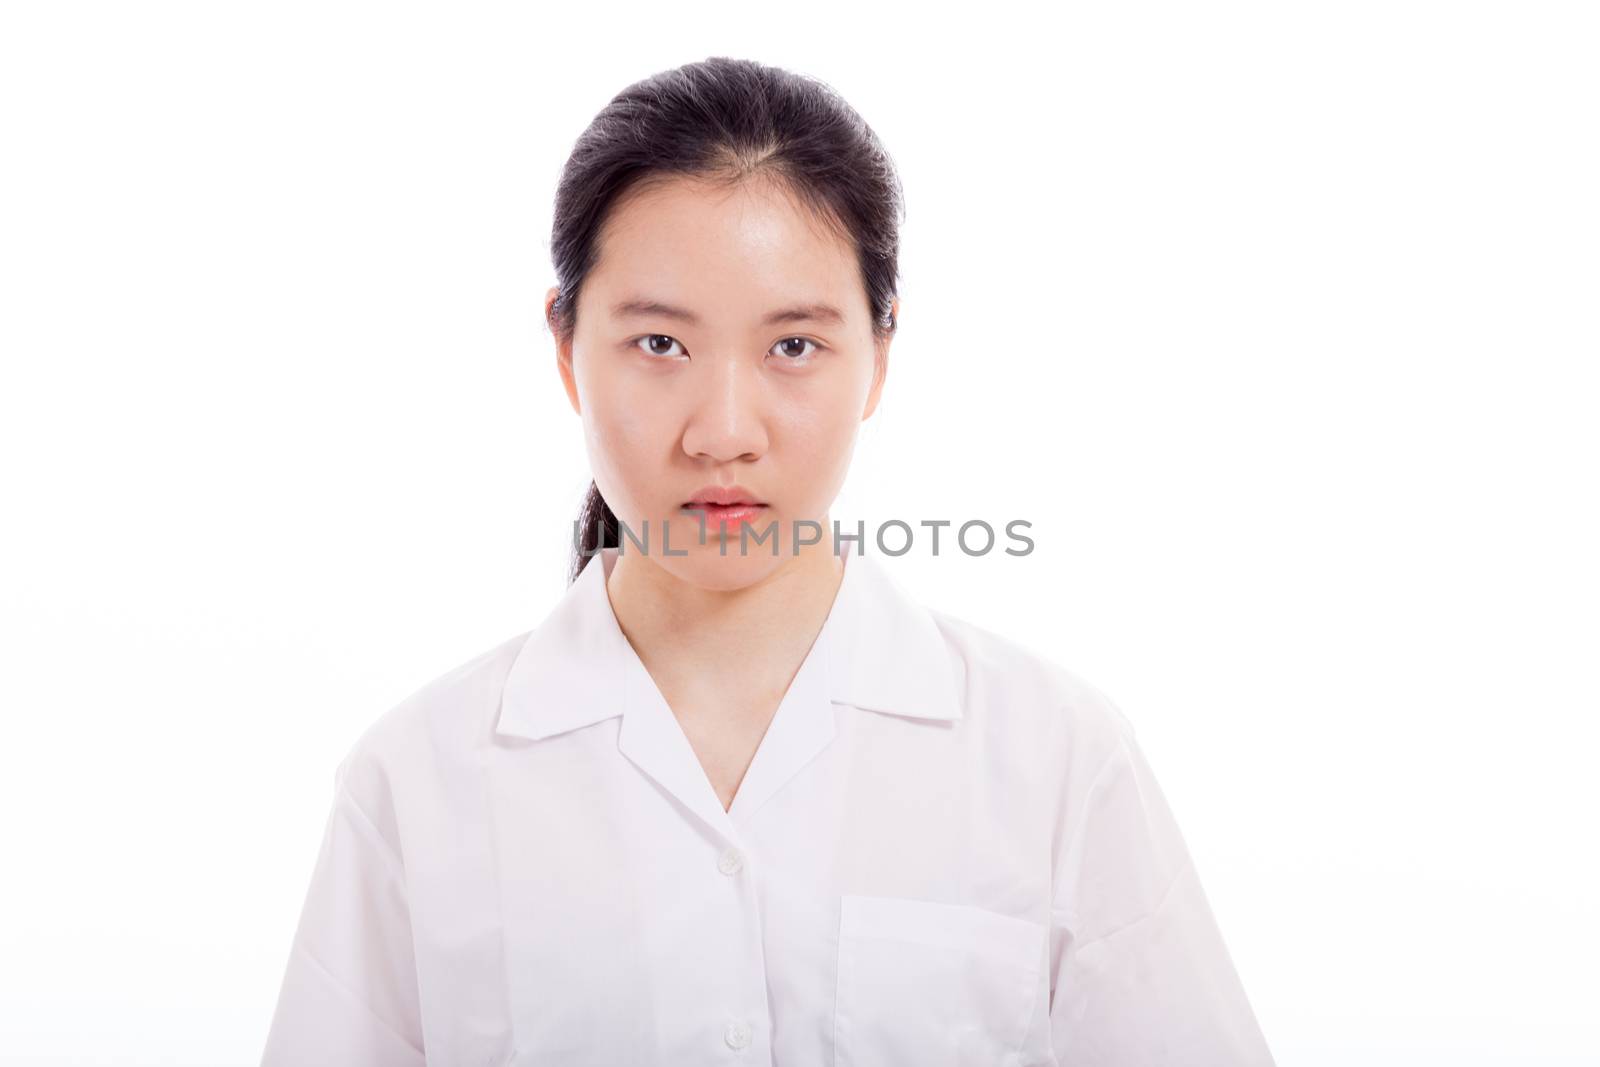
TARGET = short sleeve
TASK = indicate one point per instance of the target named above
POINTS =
(1140, 974)
(349, 996)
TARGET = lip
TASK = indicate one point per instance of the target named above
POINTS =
(726, 506)
(724, 516)
(723, 496)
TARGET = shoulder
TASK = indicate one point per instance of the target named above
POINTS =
(1019, 691)
(433, 730)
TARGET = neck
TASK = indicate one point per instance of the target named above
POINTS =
(678, 626)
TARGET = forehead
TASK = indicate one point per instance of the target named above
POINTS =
(749, 245)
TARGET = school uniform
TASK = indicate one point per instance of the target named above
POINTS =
(947, 850)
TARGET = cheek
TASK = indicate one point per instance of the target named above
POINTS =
(625, 449)
(822, 416)
(826, 431)
(626, 441)
(624, 414)
(626, 430)
(819, 441)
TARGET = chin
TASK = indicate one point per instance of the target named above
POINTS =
(707, 566)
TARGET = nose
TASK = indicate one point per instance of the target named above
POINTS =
(727, 421)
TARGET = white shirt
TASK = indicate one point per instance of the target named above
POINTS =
(945, 851)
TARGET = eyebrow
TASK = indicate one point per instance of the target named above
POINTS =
(798, 313)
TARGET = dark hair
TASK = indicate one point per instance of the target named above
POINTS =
(724, 121)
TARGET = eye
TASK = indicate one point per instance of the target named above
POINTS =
(650, 342)
(789, 354)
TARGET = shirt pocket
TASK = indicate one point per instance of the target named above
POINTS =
(932, 984)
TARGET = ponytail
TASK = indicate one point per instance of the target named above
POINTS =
(596, 529)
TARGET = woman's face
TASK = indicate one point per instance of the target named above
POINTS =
(723, 339)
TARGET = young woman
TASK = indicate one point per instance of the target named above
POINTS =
(740, 801)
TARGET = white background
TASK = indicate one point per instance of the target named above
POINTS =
(1278, 321)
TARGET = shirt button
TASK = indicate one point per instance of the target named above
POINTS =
(731, 861)
(737, 1035)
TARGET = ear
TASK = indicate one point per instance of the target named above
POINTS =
(880, 369)
(563, 352)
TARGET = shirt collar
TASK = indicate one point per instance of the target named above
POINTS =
(879, 650)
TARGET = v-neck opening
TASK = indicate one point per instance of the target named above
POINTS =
(801, 726)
